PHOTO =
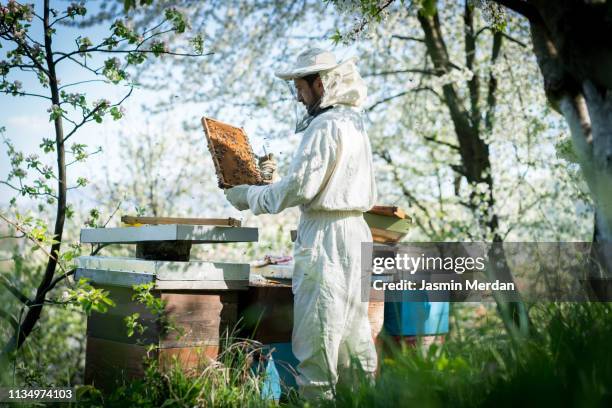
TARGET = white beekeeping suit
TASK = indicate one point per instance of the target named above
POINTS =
(331, 180)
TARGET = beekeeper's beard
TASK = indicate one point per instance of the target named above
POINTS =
(313, 108)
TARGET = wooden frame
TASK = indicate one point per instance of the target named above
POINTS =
(232, 154)
(224, 222)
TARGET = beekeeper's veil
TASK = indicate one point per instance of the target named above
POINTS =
(342, 83)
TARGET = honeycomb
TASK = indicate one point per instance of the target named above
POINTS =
(232, 154)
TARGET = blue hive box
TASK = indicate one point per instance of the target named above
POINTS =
(280, 370)
(416, 318)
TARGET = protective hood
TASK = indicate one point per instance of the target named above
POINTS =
(343, 86)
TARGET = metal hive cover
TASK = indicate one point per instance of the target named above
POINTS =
(232, 154)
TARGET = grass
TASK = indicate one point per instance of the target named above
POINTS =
(231, 381)
(566, 362)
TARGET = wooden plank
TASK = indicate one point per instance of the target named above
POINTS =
(191, 359)
(169, 232)
(376, 313)
(124, 264)
(203, 318)
(202, 285)
(384, 236)
(109, 363)
(391, 211)
(387, 223)
(228, 222)
(267, 314)
(129, 234)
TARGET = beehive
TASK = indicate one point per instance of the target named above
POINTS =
(200, 299)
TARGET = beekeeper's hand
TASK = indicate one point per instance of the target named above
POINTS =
(267, 168)
(237, 196)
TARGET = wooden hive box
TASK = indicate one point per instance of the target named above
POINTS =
(200, 303)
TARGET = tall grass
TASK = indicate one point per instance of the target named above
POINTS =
(566, 362)
(233, 380)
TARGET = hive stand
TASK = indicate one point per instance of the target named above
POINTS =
(201, 299)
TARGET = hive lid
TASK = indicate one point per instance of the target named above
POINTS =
(197, 234)
(127, 272)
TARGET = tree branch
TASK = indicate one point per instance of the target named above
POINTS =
(179, 54)
(87, 118)
(98, 150)
(31, 238)
(83, 82)
(58, 279)
(434, 140)
(398, 180)
(419, 89)
(510, 38)
(492, 85)
(405, 71)
(26, 94)
(470, 54)
(408, 38)
(27, 50)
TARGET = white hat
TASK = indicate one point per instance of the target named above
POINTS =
(310, 62)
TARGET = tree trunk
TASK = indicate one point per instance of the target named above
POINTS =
(473, 149)
(573, 45)
(35, 310)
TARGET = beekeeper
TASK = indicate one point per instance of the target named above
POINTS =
(331, 180)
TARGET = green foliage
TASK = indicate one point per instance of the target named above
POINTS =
(132, 324)
(76, 9)
(197, 43)
(158, 48)
(94, 216)
(89, 298)
(231, 381)
(427, 7)
(112, 70)
(177, 19)
(129, 4)
(121, 30)
(494, 13)
(144, 293)
(562, 365)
